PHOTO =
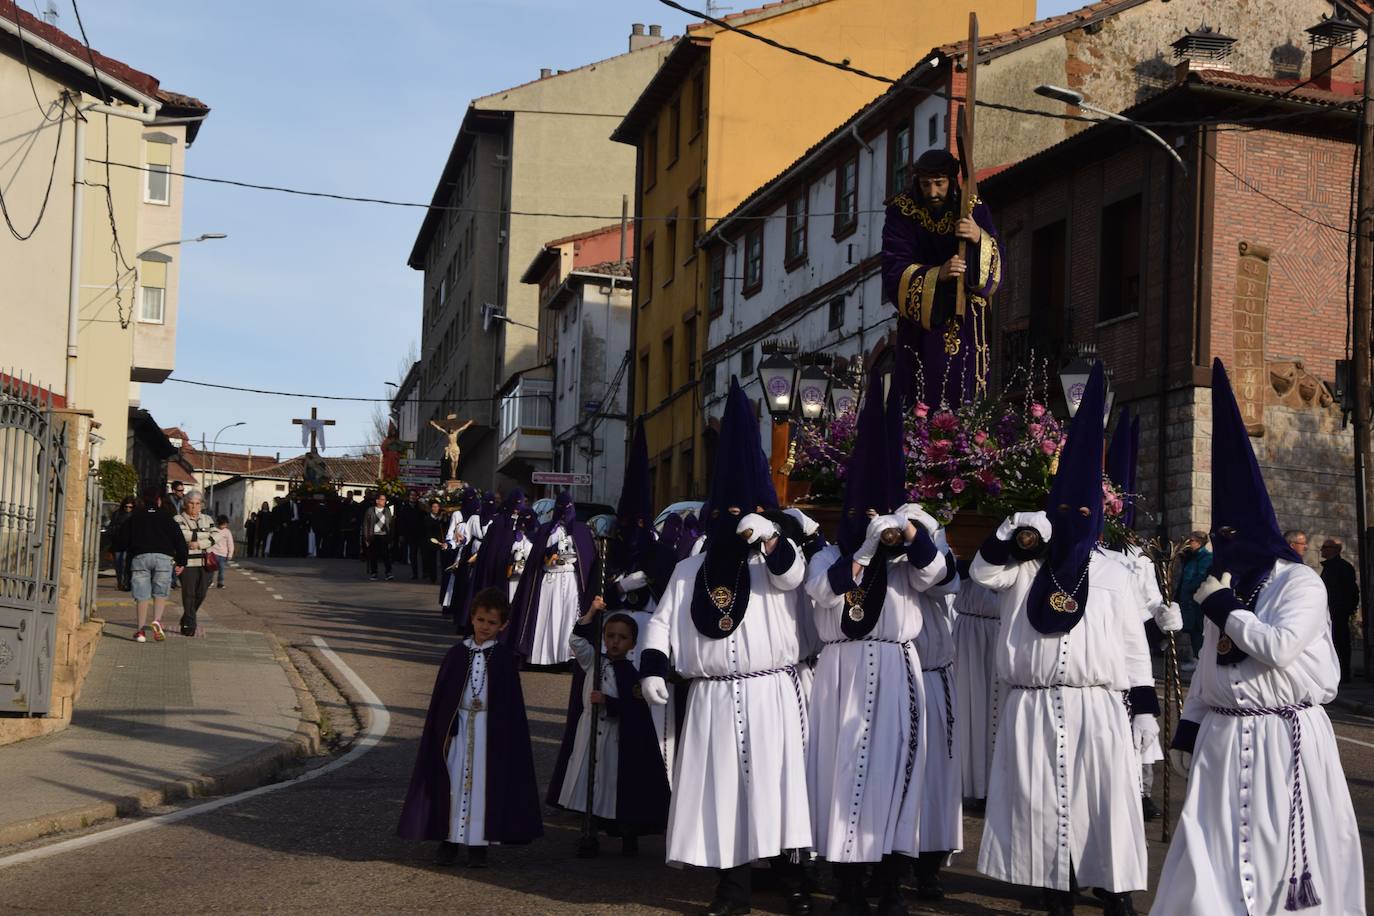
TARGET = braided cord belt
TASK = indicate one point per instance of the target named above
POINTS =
(1301, 893)
(913, 701)
(949, 707)
(791, 671)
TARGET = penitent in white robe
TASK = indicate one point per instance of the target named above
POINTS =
(574, 794)
(559, 605)
(1230, 851)
(1064, 788)
(467, 756)
(1148, 599)
(942, 796)
(739, 786)
(519, 555)
(866, 758)
(977, 691)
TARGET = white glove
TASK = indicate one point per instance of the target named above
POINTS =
(1037, 520)
(654, 690)
(1210, 586)
(1169, 617)
(872, 538)
(1181, 761)
(919, 516)
(633, 582)
(1144, 732)
(809, 526)
(760, 528)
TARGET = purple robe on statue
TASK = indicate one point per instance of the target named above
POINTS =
(953, 351)
(512, 809)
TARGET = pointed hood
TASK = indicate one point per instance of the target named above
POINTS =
(564, 512)
(634, 512)
(1075, 510)
(874, 470)
(741, 478)
(515, 501)
(469, 502)
(1122, 457)
(1246, 538)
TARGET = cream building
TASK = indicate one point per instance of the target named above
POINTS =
(55, 118)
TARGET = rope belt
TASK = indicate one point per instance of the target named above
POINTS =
(949, 707)
(979, 616)
(1301, 894)
(913, 705)
(790, 670)
(1054, 686)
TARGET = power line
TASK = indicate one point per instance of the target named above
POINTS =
(47, 192)
(24, 56)
(339, 397)
(1274, 200)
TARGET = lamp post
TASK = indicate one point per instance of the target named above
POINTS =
(778, 381)
(214, 446)
(1074, 379)
(1071, 97)
(203, 237)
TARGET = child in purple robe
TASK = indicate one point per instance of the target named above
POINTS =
(473, 783)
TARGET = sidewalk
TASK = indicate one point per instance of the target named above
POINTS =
(158, 722)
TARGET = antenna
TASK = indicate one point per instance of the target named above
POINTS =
(50, 13)
(715, 10)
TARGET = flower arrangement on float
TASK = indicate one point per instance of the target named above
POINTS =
(391, 488)
(316, 490)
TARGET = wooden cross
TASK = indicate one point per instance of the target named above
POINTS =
(313, 421)
(964, 140)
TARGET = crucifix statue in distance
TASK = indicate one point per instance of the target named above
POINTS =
(453, 429)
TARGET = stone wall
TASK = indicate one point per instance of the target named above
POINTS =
(1187, 501)
(1308, 462)
(76, 641)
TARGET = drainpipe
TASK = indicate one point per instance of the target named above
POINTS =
(74, 276)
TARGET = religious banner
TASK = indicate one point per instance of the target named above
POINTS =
(1248, 368)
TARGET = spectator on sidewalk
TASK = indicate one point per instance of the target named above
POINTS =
(410, 521)
(434, 525)
(379, 525)
(119, 542)
(176, 496)
(1297, 539)
(199, 534)
(157, 551)
(222, 548)
(250, 531)
(1197, 562)
(1342, 598)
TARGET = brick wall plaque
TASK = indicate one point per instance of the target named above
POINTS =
(1249, 370)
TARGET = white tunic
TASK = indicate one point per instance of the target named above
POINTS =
(467, 756)
(942, 796)
(739, 787)
(455, 524)
(1065, 779)
(866, 757)
(977, 691)
(559, 604)
(574, 794)
(1230, 851)
(1149, 599)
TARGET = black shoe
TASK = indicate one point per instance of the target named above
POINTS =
(726, 908)
(389, 577)
(929, 887)
(976, 806)
(629, 846)
(446, 854)
(849, 906)
(477, 857)
(1147, 808)
(799, 903)
(373, 578)
(1118, 905)
(1058, 903)
(219, 585)
(891, 906)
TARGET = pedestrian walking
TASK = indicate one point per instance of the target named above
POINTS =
(432, 539)
(379, 527)
(119, 542)
(411, 523)
(199, 534)
(222, 548)
(157, 551)
(1342, 599)
(1196, 564)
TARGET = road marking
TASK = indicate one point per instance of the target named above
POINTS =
(379, 723)
(277, 597)
(1354, 741)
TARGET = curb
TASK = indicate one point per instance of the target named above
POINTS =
(252, 771)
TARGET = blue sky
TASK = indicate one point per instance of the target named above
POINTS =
(340, 96)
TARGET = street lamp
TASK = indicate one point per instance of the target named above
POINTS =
(1074, 379)
(813, 387)
(844, 397)
(214, 446)
(203, 237)
(778, 379)
(1071, 97)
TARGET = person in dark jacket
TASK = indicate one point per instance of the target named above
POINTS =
(119, 542)
(1342, 598)
(433, 527)
(157, 551)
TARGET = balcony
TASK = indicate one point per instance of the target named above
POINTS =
(526, 426)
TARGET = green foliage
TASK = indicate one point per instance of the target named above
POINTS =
(118, 481)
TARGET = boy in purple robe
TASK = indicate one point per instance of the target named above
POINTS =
(921, 267)
(473, 782)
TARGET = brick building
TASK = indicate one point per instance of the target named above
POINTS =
(1243, 256)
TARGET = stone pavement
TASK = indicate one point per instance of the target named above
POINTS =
(154, 720)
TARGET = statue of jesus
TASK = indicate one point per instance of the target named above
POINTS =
(453, 430)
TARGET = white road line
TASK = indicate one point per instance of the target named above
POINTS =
(379, 723)
(277, 597)
(1354, 741)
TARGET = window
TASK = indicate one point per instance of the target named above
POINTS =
(746, 364)
(898, 158)
(576, 369)
(153, 305)
(796, 230)
(847, 196)
(1047, 288)
(837, 313)
(932, 130)
(646, 273)
(694, 214)
(1120, 279)
(643, 382)
(708, 379)
(699, 102)
(674, 130)
(670, 243)
(753, 260)
(690, 339)
(668, 364)
(716, 292)
(159, 186)
(651, 155)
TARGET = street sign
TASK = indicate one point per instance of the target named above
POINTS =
(419, 472)
(561, 479)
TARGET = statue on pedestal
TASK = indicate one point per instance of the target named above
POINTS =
(453, 429)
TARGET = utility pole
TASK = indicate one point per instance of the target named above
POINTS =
(1364, 276)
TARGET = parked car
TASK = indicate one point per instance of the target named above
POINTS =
(543, 510)
(692, 506)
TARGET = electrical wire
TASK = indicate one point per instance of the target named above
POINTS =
(24, 56)
(47, 192)
(339, 397)
(1274, 200)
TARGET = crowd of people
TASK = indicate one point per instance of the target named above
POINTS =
(760, 695)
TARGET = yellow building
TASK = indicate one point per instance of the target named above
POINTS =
(724, 114)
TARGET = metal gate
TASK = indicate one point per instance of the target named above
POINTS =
(33, 464)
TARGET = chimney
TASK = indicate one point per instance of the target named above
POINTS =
(1203, 49)
(545, 72)
(638, 39)
(1333, 66)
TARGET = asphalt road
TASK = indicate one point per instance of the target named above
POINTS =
(328, 844)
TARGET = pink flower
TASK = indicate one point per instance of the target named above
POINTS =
(1037, 410)
(945, 422)
(980, 437)
(1035, 430)
(1049, 446)
(938, 450)
(922, 410)
(957, 484)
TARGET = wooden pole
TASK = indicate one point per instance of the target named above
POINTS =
(1364, 276)
(965, 128)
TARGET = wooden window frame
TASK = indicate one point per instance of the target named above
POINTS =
(670, 242)
(699, 100)
(651, 154)
(751, 287)
(896, 170)
(846, 218)
(1104, 226)
(674, 131)
(797, 223)
(646, 272)
(715, 291)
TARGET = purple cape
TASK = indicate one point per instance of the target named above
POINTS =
(494, 559)
(525, 609)
(512, 811)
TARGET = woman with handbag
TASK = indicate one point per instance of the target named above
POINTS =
(199, 532)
